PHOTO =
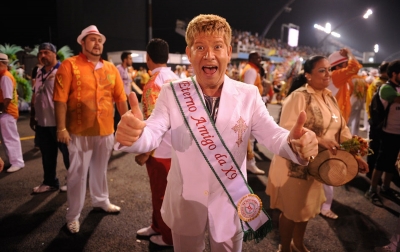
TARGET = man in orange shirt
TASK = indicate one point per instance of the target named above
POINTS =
(9, 116)
(344, 65)
(85, 88)
(251, 75)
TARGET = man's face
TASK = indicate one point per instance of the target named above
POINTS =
(3, 66)
(128, 60)
(256, 59)
(92, 44)
(47, 58)
(396, 78)
(209, 56)
(342, 65)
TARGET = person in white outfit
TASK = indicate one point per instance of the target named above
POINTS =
(211, 118)
(9, 116)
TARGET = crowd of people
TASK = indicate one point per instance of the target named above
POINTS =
(85, 107)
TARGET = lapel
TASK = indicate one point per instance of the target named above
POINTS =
(228, 105)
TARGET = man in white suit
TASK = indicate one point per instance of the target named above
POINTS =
(211, 118)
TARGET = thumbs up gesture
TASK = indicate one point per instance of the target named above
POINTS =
(303, 141)
(131, 125)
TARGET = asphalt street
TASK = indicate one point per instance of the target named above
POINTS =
(37, 222)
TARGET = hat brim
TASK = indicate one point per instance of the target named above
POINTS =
(323, 171)
(83, 35)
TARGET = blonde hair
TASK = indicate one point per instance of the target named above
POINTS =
(208, 24)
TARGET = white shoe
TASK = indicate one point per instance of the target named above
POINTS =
(73, 226)
(255, 170)
(14, 169)
(63, 188)
(157, 239)
(146, 231)
(112, 209)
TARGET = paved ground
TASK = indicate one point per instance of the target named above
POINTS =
(36, 222)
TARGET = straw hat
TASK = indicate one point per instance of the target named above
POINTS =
(92, 29)
(334, 170)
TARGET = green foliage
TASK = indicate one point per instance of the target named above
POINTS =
(11, 51)
(64, 53)
(24, 84)
(34, 51)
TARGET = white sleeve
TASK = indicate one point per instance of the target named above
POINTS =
(156, 126)
(250, 76)
(7, 87)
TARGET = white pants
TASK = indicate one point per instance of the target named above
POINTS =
(355, 116)
(88, 154)
(10, 139)
(329, 197)
(184, 243)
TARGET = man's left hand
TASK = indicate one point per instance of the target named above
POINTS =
(303, 141)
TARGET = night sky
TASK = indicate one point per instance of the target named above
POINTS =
(34, 22)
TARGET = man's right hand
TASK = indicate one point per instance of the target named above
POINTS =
(131, 125)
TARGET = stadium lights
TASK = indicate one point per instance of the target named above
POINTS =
(367, 14)
(327, 29)
(376, 48)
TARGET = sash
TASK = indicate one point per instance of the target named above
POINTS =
(254, 220)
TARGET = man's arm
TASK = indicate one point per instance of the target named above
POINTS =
(122, 107)
(61, 114)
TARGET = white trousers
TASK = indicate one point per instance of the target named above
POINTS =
(355, 116)
(10, 139)
(88, 154)
(184, 243)
(329, 197)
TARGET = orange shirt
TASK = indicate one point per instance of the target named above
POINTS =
(340, 79)
(12, 108)
(257, 82)
(89, 94)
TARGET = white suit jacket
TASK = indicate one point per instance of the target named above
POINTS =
(193, 195)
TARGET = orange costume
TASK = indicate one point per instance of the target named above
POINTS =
(88, 92)
(9, 135)
(341, 80)
(12, 108)
(257, 81)
(89, 95)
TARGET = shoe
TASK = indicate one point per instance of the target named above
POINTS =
(73, 226)
(146, 232)
(14, 169)
(44, 188)
(373, 198)
(112, 209)
(390, 193)
(157, 239)
(63, 188)
(329, 214)
(294, 249)
(255, 170)
(387, 248)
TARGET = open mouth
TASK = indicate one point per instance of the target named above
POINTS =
(210, 69)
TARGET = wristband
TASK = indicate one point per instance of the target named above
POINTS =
(61, 130)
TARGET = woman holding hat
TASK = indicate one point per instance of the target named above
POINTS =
(291, 189)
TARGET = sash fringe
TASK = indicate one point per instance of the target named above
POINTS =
(260, 234)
